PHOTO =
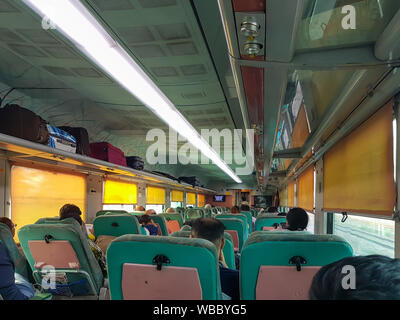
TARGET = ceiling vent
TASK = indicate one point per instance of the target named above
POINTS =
(165, 71)
(9, 36)
(107, 5)
(38, 36)
(58, 71)
(27, 51)
(176, 31)
(60, 52)
(194, 95)
(193, 70)
(157, 3)
(149, 51)
(182, 48)
(136, 34)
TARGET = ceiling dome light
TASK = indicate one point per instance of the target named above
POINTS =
(252, 48)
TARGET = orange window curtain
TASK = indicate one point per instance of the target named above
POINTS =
(201, 200)
(358, 171)
(176, 196)
(300, 130)
(290, 198)
(305, 191)
(191, 198)
(119, 192)
(155, 195)
(37, 193)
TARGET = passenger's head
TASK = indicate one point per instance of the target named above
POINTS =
(375, 277)
(244, 207)
(188, 222)
(296, 219)
(235, 209)
(272, 210)
(140, 208)
(144, 219)
(211, 230)
(151, 211)
(71, 211)
(170, 210)
(207, 206)
(9, 224)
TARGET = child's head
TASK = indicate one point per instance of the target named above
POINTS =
(145, 219)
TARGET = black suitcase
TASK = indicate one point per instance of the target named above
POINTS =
(82, 139)
(166, 175)
(23, 123)
(134, 162)
(194, 181)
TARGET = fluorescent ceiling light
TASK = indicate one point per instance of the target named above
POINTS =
(76, 23)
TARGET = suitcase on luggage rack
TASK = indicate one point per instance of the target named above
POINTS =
(59, 139)
(107, 152)
(194, 181)
(24, 124)
(82, 139)
(136, 163)
(165, 175)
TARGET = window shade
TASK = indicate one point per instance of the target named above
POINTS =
(300, 130)
(201, 200)
(190, 198)
(155, 195)
(358, 171)
(119, 192)
(39, 194)
(176, 196)
(290, 197)
(305, 191)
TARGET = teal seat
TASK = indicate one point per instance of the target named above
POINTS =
(103, 212)
(170, 254)
(55, 220)
(116, 225)
(207, 213)
(186, 228)
(160, 220)
(191, 214)
(235, 224)
(229, 253)
(237, 216)
(172, 216)
(137, 213)
(268, 220)
(284, 249)
(63, 246)
(249, 219)
(20, 263)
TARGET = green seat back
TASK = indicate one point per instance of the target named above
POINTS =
(67, 230)
(249, 218)
(103, 212)
(268, 220)
(160, 220)
(207, 213)
(182, 252)
(116, 225)
(237, 225)
(276, 249)
(237, 216)
(20, 263)
(172, 216)
(137, 213)
(191, 214)
(229, 253)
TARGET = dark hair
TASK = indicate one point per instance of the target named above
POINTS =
(297, 219)
(7, 222)
(209, 229)
(188, 222)
(244, 207)
(144, 219)
(71, 211)
(235, 209)
(272, 209)
(376, 278)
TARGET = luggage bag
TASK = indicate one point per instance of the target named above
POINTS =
(107, 152)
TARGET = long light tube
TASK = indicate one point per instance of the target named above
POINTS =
(74, 20)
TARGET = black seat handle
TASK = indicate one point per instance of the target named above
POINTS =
(298, 261)
(159, 260)
(48, 237)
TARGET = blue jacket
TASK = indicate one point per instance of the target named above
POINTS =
(8, 288)
(229, 282)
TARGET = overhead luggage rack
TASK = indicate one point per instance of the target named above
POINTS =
(16, 148)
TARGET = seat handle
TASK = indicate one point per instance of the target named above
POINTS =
(298, 261)
(159, 260)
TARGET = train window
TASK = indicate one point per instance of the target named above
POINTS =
(118, 193)
(126, 207)
(310, 226)
(366, 235)
(37, 193)
(190, 199)
(176, 204)
(159, 208)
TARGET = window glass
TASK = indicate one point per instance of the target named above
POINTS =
(310, 226)
(159, 208)
(366, 235)
(176, 204)
(126, 207)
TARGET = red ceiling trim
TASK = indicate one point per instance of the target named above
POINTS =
(253, 81)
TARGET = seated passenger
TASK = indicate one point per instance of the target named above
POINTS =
(244, 207)
(140, 208)
(207, 206)
(272, 210)
(9, 290)
(12, 227)
(147, 223)
(235, 209)
(213, 230)
(72, 211)
(296, 219)
(375, 277)
(170, 210)
(150, 211)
